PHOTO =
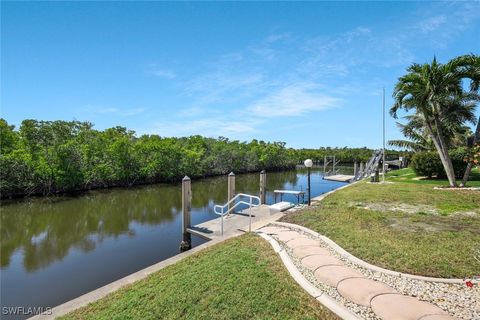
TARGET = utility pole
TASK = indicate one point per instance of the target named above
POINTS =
(383, 156)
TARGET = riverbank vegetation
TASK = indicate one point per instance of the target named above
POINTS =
(241, 278)
(47, 157)
(404, 225)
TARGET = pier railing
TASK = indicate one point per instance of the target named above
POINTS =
(220, 210)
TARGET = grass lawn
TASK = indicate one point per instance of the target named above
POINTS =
(241, 278)
(405, 226)
(407, 175)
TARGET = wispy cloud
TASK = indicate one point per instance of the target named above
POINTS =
(287, 75)
(222, 85)
(164, 74)
(157, 71)
(292, 100)
(114, 111)
(210, 127)
(432, 23)
(443, 24)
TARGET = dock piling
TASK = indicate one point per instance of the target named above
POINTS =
(355, 168)
(231, 188)
(186, 243)
(263, 186)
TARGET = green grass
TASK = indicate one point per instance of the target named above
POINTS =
(403, 226)
(241, 278)
(407, 175)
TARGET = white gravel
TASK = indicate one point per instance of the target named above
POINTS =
(458, 300)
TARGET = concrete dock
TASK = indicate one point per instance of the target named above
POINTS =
(340, 178)
(235, 223)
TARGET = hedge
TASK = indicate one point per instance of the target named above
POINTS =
(429, 164)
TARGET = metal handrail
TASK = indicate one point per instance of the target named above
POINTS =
(370, 165)
(222, 213)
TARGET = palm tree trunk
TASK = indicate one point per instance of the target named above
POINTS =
(442, 150)
(468, 170)
(449, 168)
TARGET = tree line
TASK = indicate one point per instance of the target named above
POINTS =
(47, 157)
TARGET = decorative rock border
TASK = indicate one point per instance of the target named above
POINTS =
(454, 298)
(458, 188)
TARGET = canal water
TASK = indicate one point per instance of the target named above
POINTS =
(55, 249)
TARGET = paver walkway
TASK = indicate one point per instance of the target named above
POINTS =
(384, 301)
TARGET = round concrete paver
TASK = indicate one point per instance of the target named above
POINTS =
(273, 230)
(332, 275)
(437, 317)
(288, 235)
(301, 242)
(397, 306)
(301, 252)
(315, 261)
(362, 290)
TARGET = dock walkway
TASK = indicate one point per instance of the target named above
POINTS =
(235, 223)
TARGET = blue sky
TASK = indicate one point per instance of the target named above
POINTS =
(310, 74)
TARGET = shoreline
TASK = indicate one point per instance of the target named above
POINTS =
(81, 192)
(103, 291)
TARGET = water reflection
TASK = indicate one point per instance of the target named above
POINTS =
(104, 235)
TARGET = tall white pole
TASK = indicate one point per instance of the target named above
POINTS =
(383, 159)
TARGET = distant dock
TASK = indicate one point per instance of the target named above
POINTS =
(339, 177)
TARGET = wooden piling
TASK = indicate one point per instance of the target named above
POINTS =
(263, 187)
(355, 169)
(186, 243)
(231, 188)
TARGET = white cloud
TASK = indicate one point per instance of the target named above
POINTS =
(114, 111)
(163, 73)
(277, 37)
(158, 71)
(223, 85)
(131, 112)
(444, 23)
(210, 127)
(287, 75)
(432, 23)
(292, 100)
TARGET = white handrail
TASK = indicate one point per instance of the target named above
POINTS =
(220, 210)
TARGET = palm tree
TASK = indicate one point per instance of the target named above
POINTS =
(435, 93)
(413, 130)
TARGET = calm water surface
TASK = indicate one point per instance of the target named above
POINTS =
(55, 249)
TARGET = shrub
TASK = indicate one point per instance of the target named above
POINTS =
(429, 164)
(426, 164)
